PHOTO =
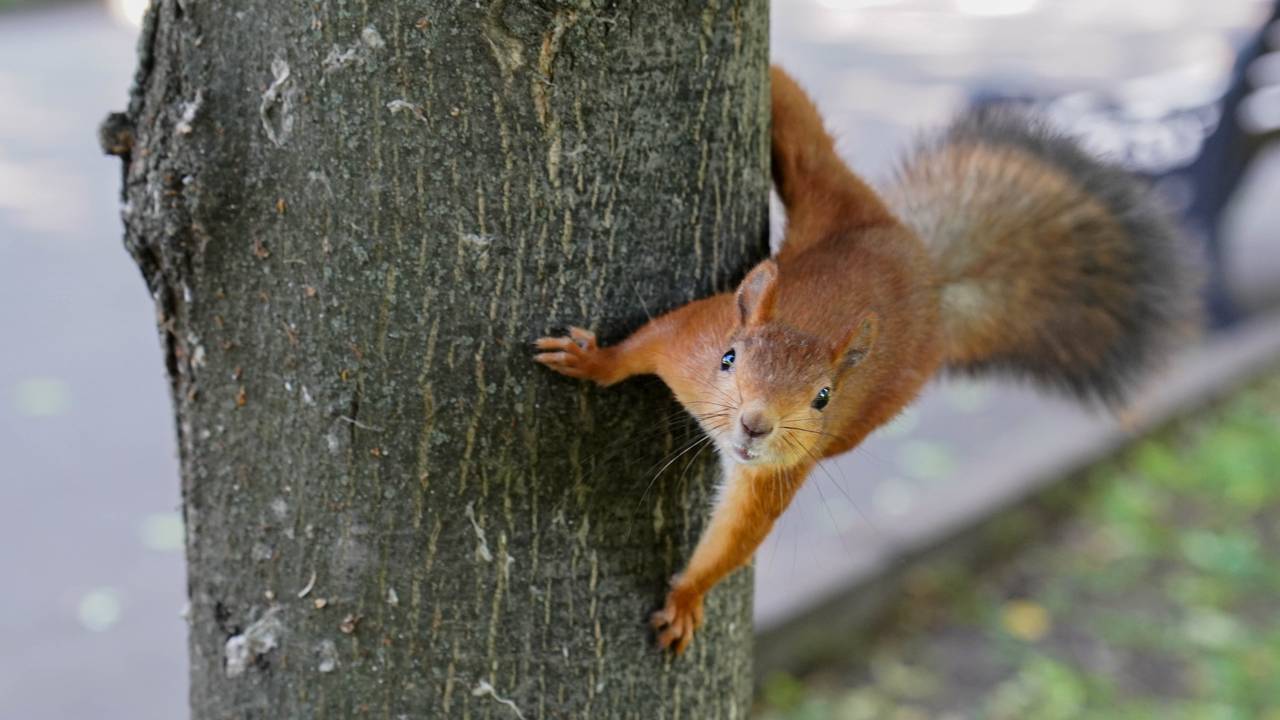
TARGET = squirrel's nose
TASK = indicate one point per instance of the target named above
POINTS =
(755, 424)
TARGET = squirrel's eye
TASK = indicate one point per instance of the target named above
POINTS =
(824, 396)
(726, 362)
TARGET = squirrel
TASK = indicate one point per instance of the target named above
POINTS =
(1001, 247)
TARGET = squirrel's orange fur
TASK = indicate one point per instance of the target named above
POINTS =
(861, 309)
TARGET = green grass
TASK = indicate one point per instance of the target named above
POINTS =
(1148, 588)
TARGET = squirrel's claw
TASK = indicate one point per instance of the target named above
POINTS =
(677, 620)
(561, 362)
(577, 356)
(585, 338)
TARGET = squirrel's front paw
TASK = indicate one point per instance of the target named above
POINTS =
(678, 618)
(577, 356)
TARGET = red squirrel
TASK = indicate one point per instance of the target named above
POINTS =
(1002, 246)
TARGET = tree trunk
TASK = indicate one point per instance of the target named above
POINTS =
(354, 217)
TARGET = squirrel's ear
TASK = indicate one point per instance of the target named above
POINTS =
(757, 293)
(858, 342)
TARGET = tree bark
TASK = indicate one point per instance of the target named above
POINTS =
(354, 217)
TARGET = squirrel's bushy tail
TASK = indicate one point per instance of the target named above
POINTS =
(1053, 265)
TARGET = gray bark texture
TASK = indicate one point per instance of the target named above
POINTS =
(354, 217)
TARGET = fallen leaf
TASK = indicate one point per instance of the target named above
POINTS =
(1026, 620)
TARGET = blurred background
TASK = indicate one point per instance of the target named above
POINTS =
(986, 555)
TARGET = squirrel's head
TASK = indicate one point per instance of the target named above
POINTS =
(779, 387)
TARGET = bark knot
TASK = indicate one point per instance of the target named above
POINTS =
(507, 49)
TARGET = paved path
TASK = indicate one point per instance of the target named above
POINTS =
(91, 559)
